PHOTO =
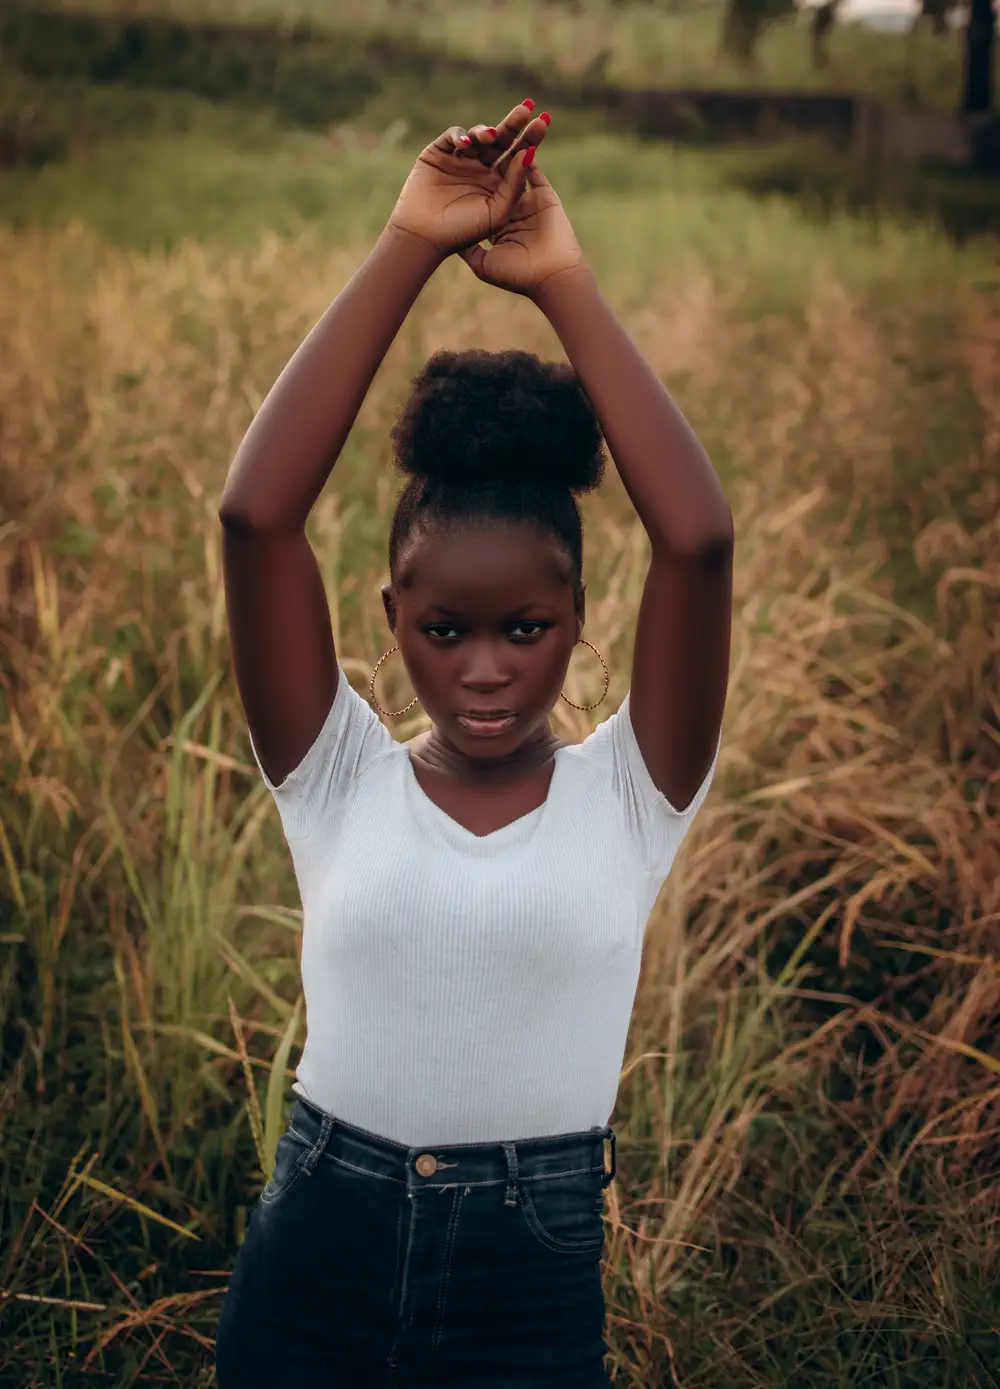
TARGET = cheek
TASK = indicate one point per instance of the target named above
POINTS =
(434, 671)
(539, 669)
(556, 659)
(545, 671)
(423, 663)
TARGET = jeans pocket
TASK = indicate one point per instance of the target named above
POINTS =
(290, 1154)
(565, 1213)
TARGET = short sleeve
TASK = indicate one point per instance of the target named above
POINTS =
(651, 822)
(351, 737)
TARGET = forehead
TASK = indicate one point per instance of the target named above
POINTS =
(484, 565)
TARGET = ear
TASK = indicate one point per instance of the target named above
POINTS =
(389, 603)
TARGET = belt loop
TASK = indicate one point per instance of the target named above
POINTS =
(510, 1195)
(316, 1151)
(609, 1177)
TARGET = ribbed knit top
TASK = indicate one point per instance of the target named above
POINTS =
(463, 988)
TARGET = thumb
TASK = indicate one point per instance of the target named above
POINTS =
(538, 179)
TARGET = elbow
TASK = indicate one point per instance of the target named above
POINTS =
(720, 539)
(235, 521)
(231, 517)
(239, 520)
(710, 545)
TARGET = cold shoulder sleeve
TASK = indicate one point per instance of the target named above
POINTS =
(653, 825)
(351, 737)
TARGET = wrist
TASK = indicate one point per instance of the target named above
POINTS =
(563, 284)
(411, 249)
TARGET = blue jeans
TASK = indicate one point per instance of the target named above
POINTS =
(366, 1263)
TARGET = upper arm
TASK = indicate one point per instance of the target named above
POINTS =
(282, 641)
(680, 667)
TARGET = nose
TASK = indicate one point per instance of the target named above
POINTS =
(486, 668)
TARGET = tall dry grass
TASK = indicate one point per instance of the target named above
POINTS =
(808, 1112)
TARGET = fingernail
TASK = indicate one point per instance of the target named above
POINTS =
(529, 156)
(545, 117)
(491, 132)
(465, 140)
(529, 103)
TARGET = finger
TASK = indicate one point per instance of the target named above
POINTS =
(514, 122)
(474, 256)
(455, 140)
(515, 181)
(484, 134)
(536, 179)
(532, 134)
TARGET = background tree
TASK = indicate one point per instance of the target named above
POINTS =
(745, 22)
(977, 91)
(935, 14)
(823, 19)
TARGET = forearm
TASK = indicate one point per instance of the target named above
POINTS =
(286, 456)
(668, 475)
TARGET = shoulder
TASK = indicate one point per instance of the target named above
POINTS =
(612, 762)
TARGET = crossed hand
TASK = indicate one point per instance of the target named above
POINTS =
(481, 185)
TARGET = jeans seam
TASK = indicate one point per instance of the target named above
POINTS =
(549, 1241)
(319, 1147)
(266, 1200)
(502, 1181)
(446, 1277)
(364, 1171)
(305, 1162)
(400, 1315)
(391, 1357)
(491, 1181)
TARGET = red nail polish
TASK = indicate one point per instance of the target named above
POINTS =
(491, 132)
(545, 117)
(529, 103)
(466, 140)
(530, 155)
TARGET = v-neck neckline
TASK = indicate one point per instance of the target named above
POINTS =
(462, 832)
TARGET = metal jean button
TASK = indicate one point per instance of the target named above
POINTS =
(426, 1165)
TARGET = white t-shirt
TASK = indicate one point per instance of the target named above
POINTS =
(463, 988)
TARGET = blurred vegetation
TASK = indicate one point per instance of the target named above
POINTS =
(808, 1190)
(71, 75)
(75, 82)
(630, 43)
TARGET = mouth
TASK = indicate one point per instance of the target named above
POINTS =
(487, 723)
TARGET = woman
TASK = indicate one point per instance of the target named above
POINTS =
(474, 901)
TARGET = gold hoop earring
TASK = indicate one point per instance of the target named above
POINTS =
(388, 713)
(607, 678)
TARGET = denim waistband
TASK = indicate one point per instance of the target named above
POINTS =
(458, 1164)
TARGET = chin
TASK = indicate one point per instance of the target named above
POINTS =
(486, 734)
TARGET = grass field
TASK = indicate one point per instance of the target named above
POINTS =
(808, 1191)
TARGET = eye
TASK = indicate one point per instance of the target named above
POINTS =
(443, 631)
(526, 631)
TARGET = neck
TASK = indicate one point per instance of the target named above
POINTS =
(436, 751)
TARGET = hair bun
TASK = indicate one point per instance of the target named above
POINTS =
(478, 419)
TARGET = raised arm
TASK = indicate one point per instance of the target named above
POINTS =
(287, 454)
(680, 666)
(279, 619)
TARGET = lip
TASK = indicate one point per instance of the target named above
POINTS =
(486, 724)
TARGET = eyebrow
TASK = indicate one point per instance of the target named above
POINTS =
(508, 616)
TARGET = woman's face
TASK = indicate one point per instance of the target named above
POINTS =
(486, 619)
